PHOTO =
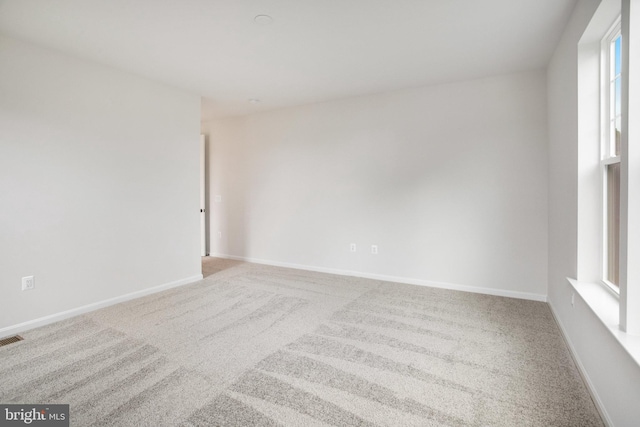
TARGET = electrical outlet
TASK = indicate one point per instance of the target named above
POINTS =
(219, 234)
(217, 199)
(353, 247)
(28, 283)
(573, 298)
(374, 249)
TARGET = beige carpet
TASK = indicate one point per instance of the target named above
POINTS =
(253, 345)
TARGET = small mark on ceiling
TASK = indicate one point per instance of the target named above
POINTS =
(263, 19)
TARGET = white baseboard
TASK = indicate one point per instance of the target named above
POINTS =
(583, 372)
(21, 327)
(397, 279)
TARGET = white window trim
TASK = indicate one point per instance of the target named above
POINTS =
(606, 158)
(630, 172)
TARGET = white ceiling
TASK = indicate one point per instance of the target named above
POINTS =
(314, 50)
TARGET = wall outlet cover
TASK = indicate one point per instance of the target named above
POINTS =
(28, 283)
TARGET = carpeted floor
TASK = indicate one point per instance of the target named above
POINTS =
(254, 345)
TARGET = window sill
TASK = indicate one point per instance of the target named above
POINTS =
(606, 307)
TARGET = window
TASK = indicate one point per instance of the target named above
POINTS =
(610, 155)
(608, 206)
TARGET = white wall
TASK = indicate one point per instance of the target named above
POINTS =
(98, 183)
(612, 374)
(449, 181)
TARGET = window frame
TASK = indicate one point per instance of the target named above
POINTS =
(608, 156)
(620, 313)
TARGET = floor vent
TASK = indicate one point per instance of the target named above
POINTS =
(10, 340)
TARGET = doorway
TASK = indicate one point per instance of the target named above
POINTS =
(203, 197)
